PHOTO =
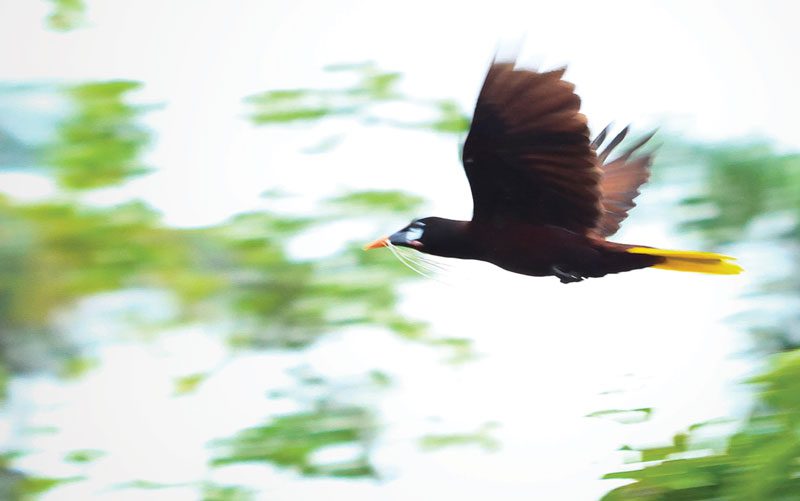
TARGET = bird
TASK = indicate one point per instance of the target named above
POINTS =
(545, 196)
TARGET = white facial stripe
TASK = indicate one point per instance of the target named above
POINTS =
(414, 233)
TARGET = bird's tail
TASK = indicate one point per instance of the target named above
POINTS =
(698, 262)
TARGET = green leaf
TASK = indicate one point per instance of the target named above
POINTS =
(84, 456)
(626, 416)
(214, 492)
(31, 487)
(189, 384)
(76, 367)
(481, 438)
(66, 15)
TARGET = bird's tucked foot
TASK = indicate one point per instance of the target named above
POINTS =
(565, 276)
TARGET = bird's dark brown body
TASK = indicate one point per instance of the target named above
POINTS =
(545, 196)
(534, 250)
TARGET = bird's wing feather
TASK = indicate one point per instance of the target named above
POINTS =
(620, 182)
(527, 156)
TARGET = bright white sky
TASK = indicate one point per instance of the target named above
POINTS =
(718, 70)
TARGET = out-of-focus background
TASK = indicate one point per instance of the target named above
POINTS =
(185, 311)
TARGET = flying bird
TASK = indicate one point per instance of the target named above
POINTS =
(545, 196)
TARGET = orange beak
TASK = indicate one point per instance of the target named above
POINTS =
(381, 242)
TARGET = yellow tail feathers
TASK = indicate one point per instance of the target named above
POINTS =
(698, 262)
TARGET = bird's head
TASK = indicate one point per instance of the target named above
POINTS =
(433, 235)
(412, 236)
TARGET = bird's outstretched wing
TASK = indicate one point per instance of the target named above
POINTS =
(527, 156)
(620, 181)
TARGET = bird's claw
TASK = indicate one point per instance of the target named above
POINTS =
(566, 277)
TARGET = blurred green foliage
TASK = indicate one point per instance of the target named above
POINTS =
(362, 100)
(749, 196)
(19, 487)
(66, 14)
(742, 185)
(99, 143)
(57, 252)
(60, 251)
(84, 456)
(759, 461)
(394, 202)
(188, 384)
(293, 440)
(624, 415)
(212, 492)
(481, 438)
